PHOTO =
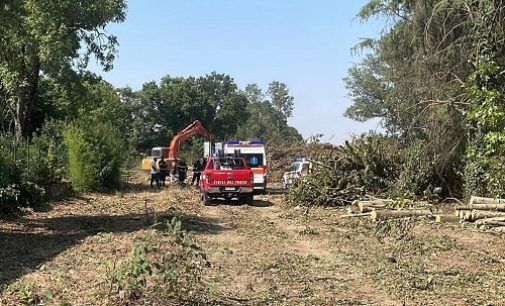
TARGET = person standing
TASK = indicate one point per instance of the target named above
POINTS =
(182, 169)
(174, 176)
(154, 173)
(163, 166)
(197, 171)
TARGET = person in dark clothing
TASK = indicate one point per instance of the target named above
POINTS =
(163, 166)
(197, 171)
(154, 173)
(182, 168)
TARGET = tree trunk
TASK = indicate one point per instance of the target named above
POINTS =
(25, 98)
(20, 117)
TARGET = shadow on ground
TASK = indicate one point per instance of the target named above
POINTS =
(145, 186)
(260, 203)
(277, 191)
(35, 242)
(255, 203)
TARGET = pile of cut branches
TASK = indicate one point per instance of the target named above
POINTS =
(368, 165)
(281, 157)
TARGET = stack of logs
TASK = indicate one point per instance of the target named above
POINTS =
(379, 209)
(483, 212)
(487, 212)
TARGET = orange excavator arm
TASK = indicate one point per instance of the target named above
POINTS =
(194, 128)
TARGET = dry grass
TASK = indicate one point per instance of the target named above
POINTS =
(261, 254)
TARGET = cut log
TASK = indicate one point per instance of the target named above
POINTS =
(499, 229)
(496, 206)
(447, 219)
(356, 215)
(482, 200)
(491, 223)
(367, 206)
(467, 216)
(482, 214)
(461, 211)
(385, 214)
(498, 221)
(461, 214)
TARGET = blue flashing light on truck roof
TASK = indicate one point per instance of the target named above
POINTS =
(245, 143)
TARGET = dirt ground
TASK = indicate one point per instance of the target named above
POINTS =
(265, 253)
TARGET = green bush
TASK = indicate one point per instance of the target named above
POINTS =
(7, 166)
(9, 197)
(18, 186)
(51, 153)
(484, 156)
(95, 156)
(10, 160)
(417, 171)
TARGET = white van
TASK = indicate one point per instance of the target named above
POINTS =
(298, 168)
(255, 155)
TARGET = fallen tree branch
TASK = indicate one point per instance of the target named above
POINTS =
(385, 214)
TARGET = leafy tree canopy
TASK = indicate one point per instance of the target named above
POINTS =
(48, 36)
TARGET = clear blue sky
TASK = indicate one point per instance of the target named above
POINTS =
(305, 44)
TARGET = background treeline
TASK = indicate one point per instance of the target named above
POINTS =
(161, 109)
(60, 121)
(436, 78)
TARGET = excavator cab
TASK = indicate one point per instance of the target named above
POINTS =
(156, 152)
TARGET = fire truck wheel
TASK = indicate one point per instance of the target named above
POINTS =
(206, 199)
(249, 199)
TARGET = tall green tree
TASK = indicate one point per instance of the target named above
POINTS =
(265, 121)
(224, 107)
(415, 77)
(254, 93)
(44, 36)
(280, 98)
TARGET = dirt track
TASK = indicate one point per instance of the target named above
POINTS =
(262, 254)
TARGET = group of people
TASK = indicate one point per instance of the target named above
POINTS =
(177, 172)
